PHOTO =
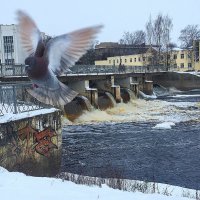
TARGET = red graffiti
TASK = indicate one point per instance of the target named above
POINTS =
(44, 143)
(25, 134)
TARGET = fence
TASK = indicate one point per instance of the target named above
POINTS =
(19, 70)
(102, 69)
(14, 98)
(12, 70)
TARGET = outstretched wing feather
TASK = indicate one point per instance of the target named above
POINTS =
(63, 51)
(29, 33)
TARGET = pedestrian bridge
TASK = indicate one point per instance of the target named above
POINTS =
(18, 70)
(94, 84)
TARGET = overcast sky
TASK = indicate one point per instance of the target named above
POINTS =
(61, 16)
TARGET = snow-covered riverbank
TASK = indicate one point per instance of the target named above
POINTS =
(16, 186)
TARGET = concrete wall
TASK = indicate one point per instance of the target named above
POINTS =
(32, 145)
(181, 81)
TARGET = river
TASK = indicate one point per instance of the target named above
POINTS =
(150, 140)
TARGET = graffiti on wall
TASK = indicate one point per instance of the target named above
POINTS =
(43, 140)
(25, 135)
(30, 145)
(38, 141)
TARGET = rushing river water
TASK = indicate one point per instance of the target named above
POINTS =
(153, 140)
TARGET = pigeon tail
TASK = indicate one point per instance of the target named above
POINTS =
(55, 97)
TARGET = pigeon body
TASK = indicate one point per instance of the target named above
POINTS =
(46, 60)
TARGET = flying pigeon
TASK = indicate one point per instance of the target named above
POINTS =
(47, 60)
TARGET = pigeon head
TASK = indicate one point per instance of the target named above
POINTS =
(30, 62)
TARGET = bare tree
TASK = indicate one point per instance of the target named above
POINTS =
(188, 35)
(167, 27)
(149, 39)
(89, 57)
(149, 31)
(140, 37)
(171, 61)
(134, 38)
(158, 34)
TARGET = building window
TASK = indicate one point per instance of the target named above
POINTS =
(175, 56)
(8, 48)
(125, 60)
(143, 59)
(131, 60)
(182, 55)
(139, 59)
(168, 56)
(182, 65)
(135, 59)
(175, 65)
(9, 61)
(189, 65)
(8, 44)
(109, 61)
(117, 61)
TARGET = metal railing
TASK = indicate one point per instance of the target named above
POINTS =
(14, 98)
(19, 70)
(102, 69)
(12, 70)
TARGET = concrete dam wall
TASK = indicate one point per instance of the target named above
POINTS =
(181, 81)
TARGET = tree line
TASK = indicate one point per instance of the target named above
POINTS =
(158, 32)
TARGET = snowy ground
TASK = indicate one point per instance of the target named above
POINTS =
(17, 186)
(10, 116)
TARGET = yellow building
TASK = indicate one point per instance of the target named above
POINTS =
(142, 59)
(182, 60)
(177, 59)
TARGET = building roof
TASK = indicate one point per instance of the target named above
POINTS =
(111, 49)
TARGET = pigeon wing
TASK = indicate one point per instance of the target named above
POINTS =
(29, 33)
(63, 51)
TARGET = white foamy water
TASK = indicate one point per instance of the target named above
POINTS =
(141, 110)
(184, 95)
(164, 125)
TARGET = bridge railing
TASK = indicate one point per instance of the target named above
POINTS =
(89, 69)
(14, 98)
(12, 70)
(19, 69)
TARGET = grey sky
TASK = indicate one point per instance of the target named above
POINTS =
(61, 16)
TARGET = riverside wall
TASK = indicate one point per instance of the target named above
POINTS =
(32, 145)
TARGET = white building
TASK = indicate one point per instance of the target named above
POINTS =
(11, 51)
